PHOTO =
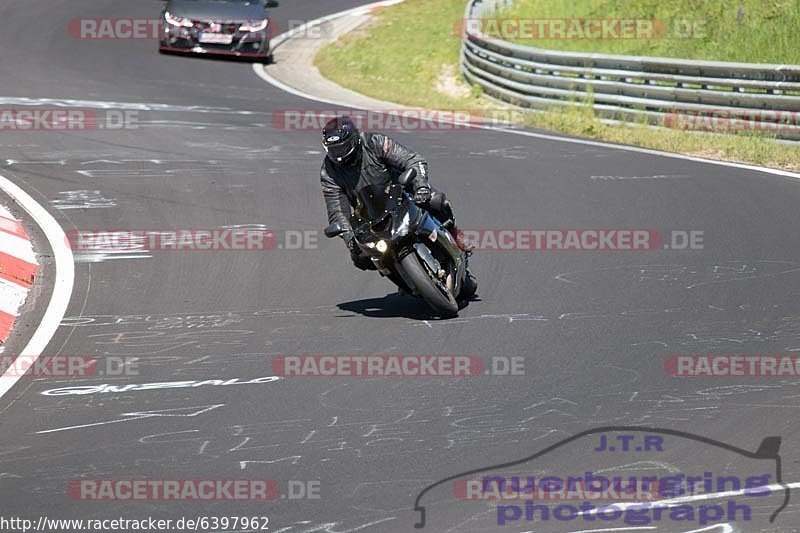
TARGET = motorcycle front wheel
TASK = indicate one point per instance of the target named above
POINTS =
(440, 300)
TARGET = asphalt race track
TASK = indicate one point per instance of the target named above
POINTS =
(593, 328)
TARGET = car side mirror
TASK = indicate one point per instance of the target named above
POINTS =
(334, 230)
(405, 178)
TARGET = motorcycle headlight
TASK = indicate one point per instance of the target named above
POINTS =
(254, 25)
(381, 246)
(178, 21)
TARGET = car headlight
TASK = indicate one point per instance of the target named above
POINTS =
(254, 25)
(178, 21)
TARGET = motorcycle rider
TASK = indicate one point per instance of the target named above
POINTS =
(356, 159)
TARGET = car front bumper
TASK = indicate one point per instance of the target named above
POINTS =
(188, 41)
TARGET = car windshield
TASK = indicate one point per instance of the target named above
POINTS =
(376, 201)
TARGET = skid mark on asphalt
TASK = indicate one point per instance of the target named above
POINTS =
(707, 326)
(711, 327)
(117, 167)
(291, 459)
(641, 465)
(689, 276)
(327, 527)
(158, 170)
(127, 106)
(508, 318)
(525, 318)
(157, 320)
(628, 178)
(12, 162)
(150, 334)
(82, 162)
(510, 152)
(156, 342)
(97, 248)
(382, 434)
(82, 199)
(195, 125)
(185, 412)
(779, 335)
(154, 334)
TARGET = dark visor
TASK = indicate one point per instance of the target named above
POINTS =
(340, 150)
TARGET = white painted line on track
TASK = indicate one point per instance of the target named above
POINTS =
(262, 73)
(62, 285)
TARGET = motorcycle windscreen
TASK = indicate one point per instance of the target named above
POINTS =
(377, 201)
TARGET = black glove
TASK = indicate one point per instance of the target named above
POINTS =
(422, 195)
(350, 241)
(359, 258)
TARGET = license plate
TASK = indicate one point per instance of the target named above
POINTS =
(216, 38)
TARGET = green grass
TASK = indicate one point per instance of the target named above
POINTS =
(755, 31)
(742, 147)
(400, 58)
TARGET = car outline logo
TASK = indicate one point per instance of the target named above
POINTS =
(768, 449)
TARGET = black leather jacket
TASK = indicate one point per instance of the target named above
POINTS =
(382, 160)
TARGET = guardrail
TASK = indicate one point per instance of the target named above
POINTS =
(678, 93)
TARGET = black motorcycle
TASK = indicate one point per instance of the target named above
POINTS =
(409, 246)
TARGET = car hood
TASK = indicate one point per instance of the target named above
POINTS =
(219, 10)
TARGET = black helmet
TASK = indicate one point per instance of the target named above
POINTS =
(341, 140)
